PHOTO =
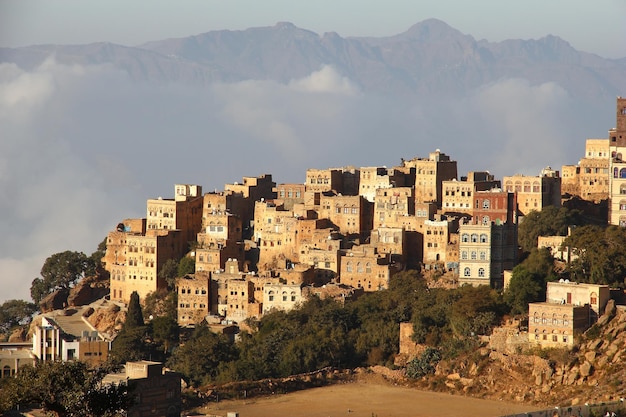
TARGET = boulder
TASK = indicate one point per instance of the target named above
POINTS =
(586, 369)
(56, 300)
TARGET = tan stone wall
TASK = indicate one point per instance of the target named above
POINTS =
(392, 204)
(194, 298)
(436, 237)
(365, 270)
(556, 325)
(281, 297)
(322, 180)
(352, 214)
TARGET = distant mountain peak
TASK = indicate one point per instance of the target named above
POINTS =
(431, 29)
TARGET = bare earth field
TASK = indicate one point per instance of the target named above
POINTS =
(359, 399)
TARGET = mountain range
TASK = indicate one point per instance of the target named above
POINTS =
(430, 58)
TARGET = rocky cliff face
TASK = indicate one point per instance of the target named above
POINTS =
(593, 371)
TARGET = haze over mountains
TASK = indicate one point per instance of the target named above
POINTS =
(89, 132)
(429, 58)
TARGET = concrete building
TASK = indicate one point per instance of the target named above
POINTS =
(69, 337)
(566, 292)
(156, 391)
(194, 298)
(13, 356)
(535, 193)
(617, 167)
(485, 252)
(429, 175)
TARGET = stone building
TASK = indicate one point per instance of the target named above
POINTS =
(374, 178)
(12, 357)
(363, 267)
(570, 309)
(617, 167)
(281, 297)
(392, 205)
(183, 212)
(353, 215)
(458, 196)
(157, 391)
(133, 260)
(324, 180)
(429, 175)
(288, 195)
(556, 325)
(390, 241)
(485, 252)
(194, 298)
(535, 193)
(437, 235)
(590, 178)
(252, 189)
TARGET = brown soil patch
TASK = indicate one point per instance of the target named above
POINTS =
(360, 399)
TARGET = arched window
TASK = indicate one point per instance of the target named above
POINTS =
(483, 255)
(284, 295)
(368, 268)
(622, 173)
(465, 237)
(474, 238)
(270, 295)
(359, 268)
(464, 255)
(486, 204)
(349, 266)
(293, 296)
(536, 187)
(467, 272)
(483, 238)
(481, 272)
(473, 255)
(486, 220)
(615, 170)
(6, 371)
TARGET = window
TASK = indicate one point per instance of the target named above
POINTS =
(284, 295)
(483, 238)
(486, 204)
(464, 255)
(465, 237)
(481, 272)
(359, 268)
(474, 238)
(473, 255)
(483, 255)
(349, 266)
(368, 268)
(270, 295)
(293, 296)
(467, 272)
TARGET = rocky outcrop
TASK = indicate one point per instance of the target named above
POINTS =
(56, 300)
(87, 291)
(108, 318)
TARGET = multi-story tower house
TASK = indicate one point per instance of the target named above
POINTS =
(590, 178)
(351, 214)
(252, 189)
(183, 212)
(486, 251)
(494, 206)
(392, 205)
(288, 195)
(429, 174)
(458, 195)
(373, 178)
(535, 193)
(617, 171)
(390, 241)
(193, 298)
(362, 267)
(324, 180)
(275, 234)
(440, 243)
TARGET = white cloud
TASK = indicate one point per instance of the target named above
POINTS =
(326, 80)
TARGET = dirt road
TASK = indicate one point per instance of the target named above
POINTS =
(365, 400)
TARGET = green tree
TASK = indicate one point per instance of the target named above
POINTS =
(130, 343)
(96, 257)
(187, 265)
(202, 357)
(65, 389)
(60, 271)
(169, 272)
(165, 332)
(600, 254)
(550, 221)
(529, 280)
(15, 313)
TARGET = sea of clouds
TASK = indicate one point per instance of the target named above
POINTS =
(83, 147)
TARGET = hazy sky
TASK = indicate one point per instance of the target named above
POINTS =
(83, 146)
(591, 26)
